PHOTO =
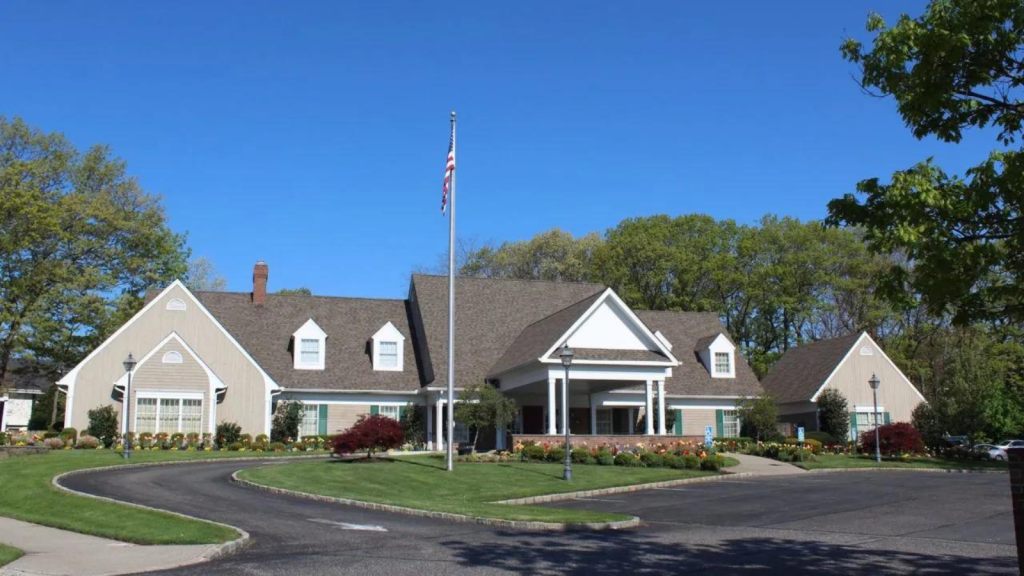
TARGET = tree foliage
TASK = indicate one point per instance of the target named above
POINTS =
(758, 417)
(371, 434)
(80, 242)
(202, 276)
(103, 424)
(301, 291)
(957, 67)
(286, 422)
(483, 406)
(834, 413)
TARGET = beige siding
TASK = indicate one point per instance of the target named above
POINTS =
(343, 416)
(895, 395)
(695, 420)
(245, 401)
(188, 376)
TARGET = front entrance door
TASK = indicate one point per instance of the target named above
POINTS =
(533, 419)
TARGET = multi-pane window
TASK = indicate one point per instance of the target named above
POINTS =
(388, 354)
(604, 421)
(730, 424)
(168, 415)
(722, 364)
(309, 351)
(389, 411)
(145, 415)
(310, 425)
(867, 421)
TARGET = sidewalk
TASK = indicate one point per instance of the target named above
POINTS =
(53, 552)
(762, 466)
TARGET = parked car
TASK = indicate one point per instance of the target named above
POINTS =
(983, 450)
(998, 452)
(956, 441)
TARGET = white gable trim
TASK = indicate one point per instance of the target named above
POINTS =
(309, 330)
(69, 378)
(388, 333)
(846, 357)
(610, 294)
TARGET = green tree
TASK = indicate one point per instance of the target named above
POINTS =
(295, 292)
(483, 406)
(413, 424)
(202, 276)
(103, 424)
(287, 420)
(955, 68)
(834, 413)
(551, 255)
(758, 416)
(80, 242)
(44, 417)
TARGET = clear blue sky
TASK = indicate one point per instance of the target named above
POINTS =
(313, 134)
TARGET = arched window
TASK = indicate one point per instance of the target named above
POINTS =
(172, 357)
(176, 304)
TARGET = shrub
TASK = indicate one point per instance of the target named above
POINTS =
(228, 433)
(711, 463)
(287, 419)
(370, 433)
(927, 423)
(652, 460)
(235, 446)
(626, 459)
(605, 458)
(833, 413)
(582, 456)
(261, 439)
(53, 443)
(4, 439)
(555, 455)
(413, 425)
(824, 437)
(533, 452)
(246, 440)
(86, 441)
(894, 439)
(691, 462)
(276, 447)
(103, 424)
(69, 435)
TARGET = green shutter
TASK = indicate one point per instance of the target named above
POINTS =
(374, 409)
(400, 410)
(853, 426)
(885, 416)
(678, 426)
(719, 423)
(322, 420)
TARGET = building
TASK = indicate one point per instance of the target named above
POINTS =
(22, 385)
(208, 357)
(846, 364)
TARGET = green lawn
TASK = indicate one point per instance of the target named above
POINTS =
(422, 482)
(29, 495)
(9, 554)
(824, 461)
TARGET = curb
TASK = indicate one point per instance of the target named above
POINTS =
(494, 522)
(623, 489)
(885, 469)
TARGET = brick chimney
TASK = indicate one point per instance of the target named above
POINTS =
(260, 273)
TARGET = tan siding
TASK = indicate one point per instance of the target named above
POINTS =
(343, 416)
(188, 376)
(694, 421)
(244, 402)
(895, 394)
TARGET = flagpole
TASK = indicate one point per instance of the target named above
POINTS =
(451, 314)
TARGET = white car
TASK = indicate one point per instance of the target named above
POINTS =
(998, 452)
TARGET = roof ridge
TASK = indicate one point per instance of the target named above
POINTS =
(538, 280)
(363, 298)
(559, 311)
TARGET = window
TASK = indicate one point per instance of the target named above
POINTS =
(172, 357)
(867, 421)
(176, 305)
(388, 354)
(866, 351)
(730, 424)
(169, 415)
(310, 425)
(722, 363)
(604, 421)
(389, 411)
(310, 351)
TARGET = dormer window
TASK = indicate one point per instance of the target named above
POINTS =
(309, 347)
(388, 349)
(718, 355)
(723, 364)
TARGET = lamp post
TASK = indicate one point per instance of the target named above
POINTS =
(874, 382)
(129, 365)
(566, 355)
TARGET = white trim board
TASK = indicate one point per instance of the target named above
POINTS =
(856, 346)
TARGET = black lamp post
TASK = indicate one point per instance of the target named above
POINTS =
(874, 382)
(129, 365)
(566, 355)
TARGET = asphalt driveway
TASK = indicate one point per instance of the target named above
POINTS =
(842, 523)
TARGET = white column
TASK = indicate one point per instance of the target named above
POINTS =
(552, 420)
(593, 416)
(430, 425)
(648, 409)
(438, 423)
(661, 408)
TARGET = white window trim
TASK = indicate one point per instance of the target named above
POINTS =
(165, 395)
(309, 331)
(388, 333)
(720, 344)
(176, 305)
(172, 357)
(316, 418)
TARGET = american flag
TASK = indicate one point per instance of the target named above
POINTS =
(449, 171)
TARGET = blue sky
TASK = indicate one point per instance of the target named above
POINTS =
(313, 134)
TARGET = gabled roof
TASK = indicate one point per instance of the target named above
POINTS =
(266, 332)
(26, 377)
(801, 371)
(685, 330)
(490, 315)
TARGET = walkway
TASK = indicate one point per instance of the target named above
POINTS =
(52, 552)
(762, 466)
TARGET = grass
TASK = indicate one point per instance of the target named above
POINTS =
(9, 554)
(865, 461)
(472, 488)
(29, 495)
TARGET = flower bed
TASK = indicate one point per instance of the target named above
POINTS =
(146, 441)
(679, 454)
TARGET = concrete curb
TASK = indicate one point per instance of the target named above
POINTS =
(622, 489)
(494, 522)
(885, 469)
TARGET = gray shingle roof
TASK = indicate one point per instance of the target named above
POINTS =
(27, 377)
(266, 331)
(489, 316)
(687, 331)
(802, 370)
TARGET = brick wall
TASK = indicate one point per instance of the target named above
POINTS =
(613, 440)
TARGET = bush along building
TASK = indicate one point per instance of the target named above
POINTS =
(210, 357)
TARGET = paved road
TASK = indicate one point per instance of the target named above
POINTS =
(882, 523)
